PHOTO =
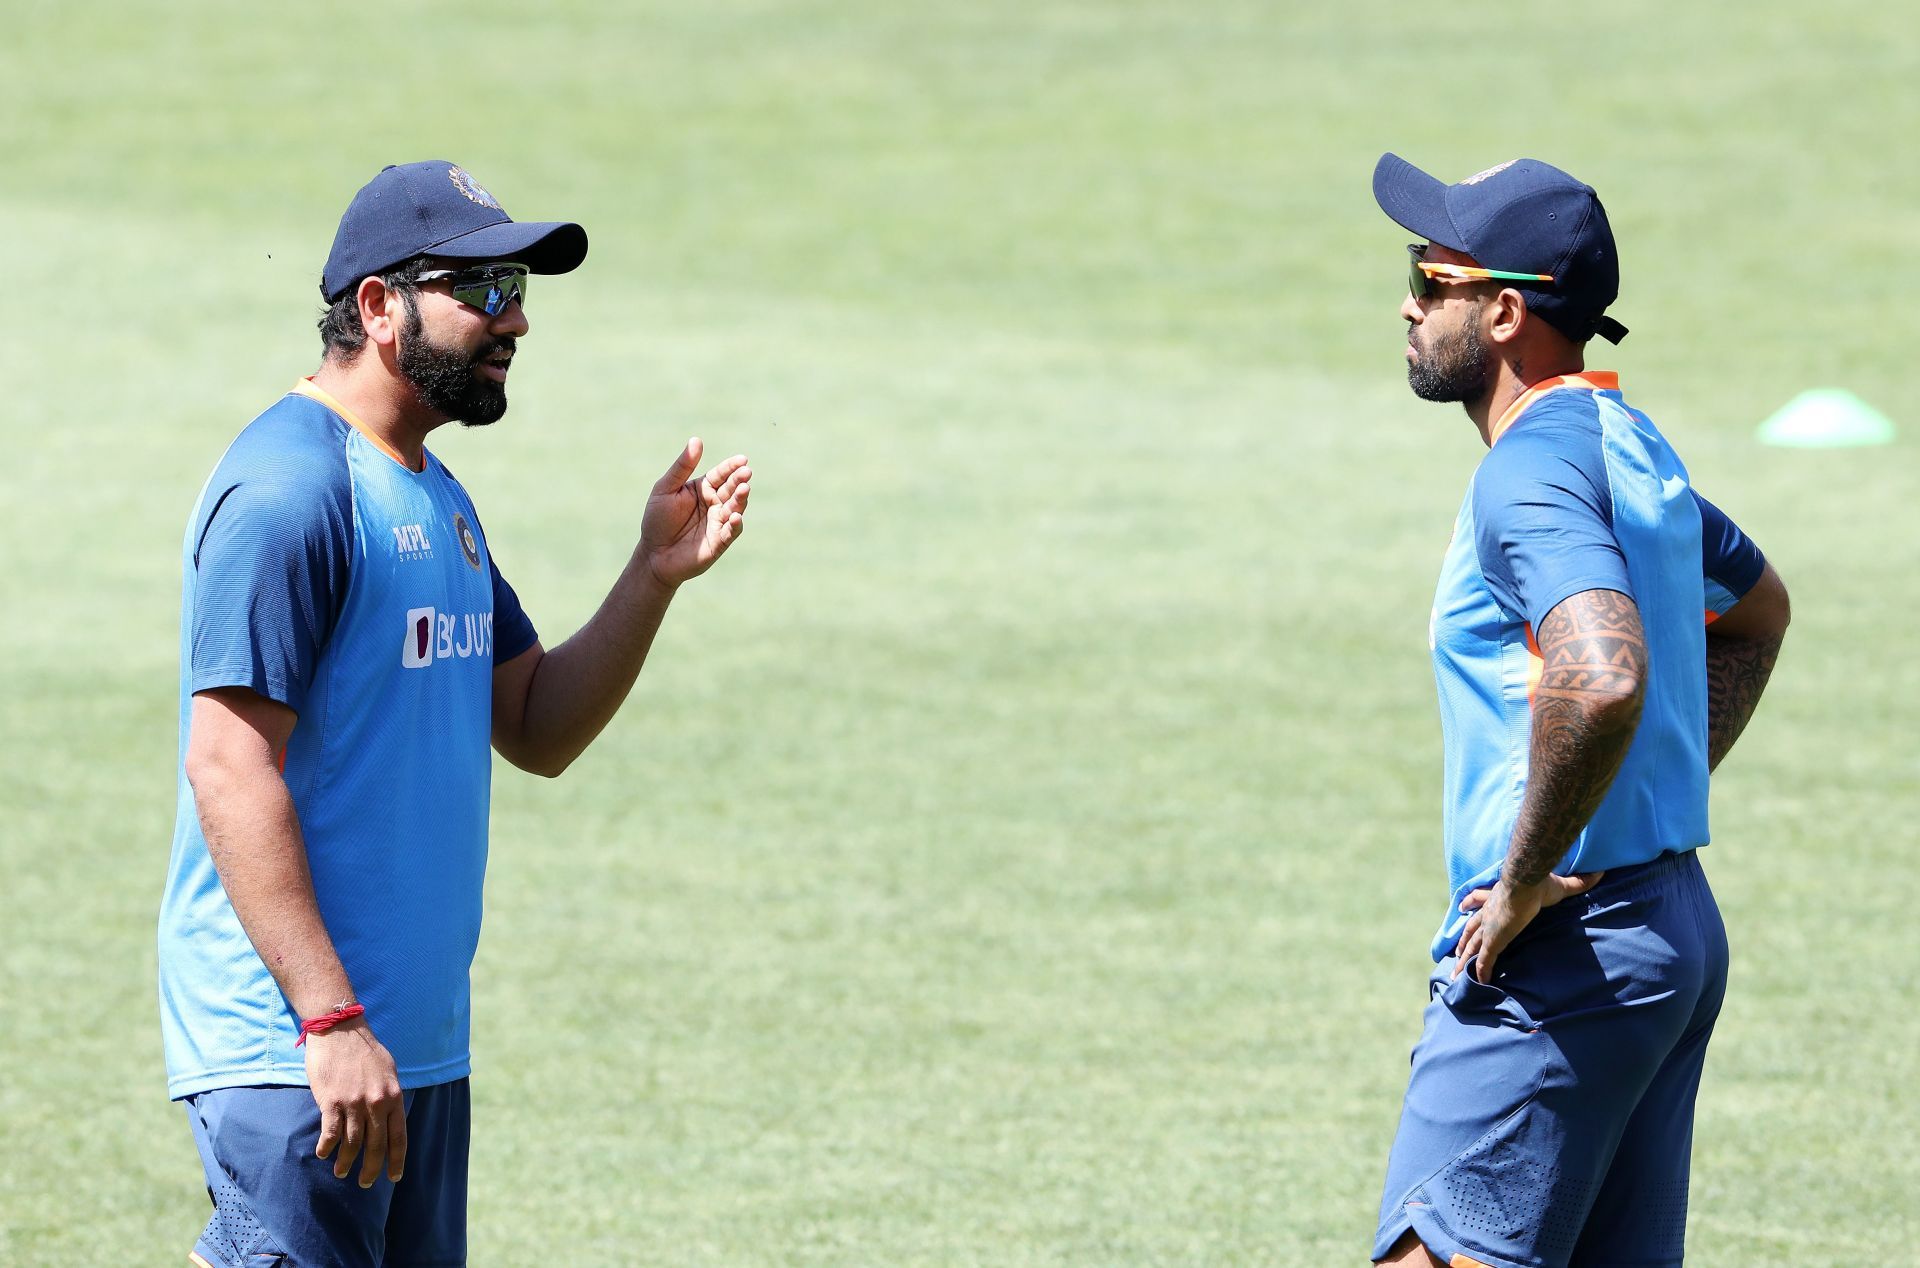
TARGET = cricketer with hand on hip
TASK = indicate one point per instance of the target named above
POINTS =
(1600, 635)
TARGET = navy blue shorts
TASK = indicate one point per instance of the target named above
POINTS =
(1549, 1117)
(275, 1205)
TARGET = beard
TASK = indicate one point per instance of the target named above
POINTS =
(1454, 367)
(444, 378)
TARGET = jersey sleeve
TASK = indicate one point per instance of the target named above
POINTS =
(1729, 561)
(270, 578)
(1543, 521)
(513, 631)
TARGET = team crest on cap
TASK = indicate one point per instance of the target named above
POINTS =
(471, 188)
(1477, 177)
(469, 544)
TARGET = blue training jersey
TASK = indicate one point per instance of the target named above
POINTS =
(1578, 492)
(321, 572)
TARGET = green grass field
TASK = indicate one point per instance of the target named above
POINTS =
(1024, 848)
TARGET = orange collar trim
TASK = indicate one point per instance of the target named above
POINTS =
(308, 388)
(1585, 381)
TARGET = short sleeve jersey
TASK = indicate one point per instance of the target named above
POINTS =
(1578, 492)
(322, 572)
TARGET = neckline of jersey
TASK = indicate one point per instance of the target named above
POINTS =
(1585, 381)
(308, 388)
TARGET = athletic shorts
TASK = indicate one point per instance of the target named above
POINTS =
(275, 1205)
(1549, 1117)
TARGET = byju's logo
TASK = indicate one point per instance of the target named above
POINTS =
(433, 635)
(411, 541)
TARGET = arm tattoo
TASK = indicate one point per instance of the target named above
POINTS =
(1737, 672)
(1585, 711)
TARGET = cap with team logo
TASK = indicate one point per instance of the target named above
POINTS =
(435, 208)
(1523, 216)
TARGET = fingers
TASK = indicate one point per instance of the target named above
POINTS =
(728, 511)
(682, 469)
(330, 1121)
(1585, 881)
(397, 1140)
(374, 1133)
(353, 1135)
(732, 507)
(721, 479)
(725, 492)
(376, 1150)
(1475, 901)
(1469, 942)
(1560, 888)
(1472, 944)
(1476, 947)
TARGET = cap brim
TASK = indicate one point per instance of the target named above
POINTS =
(1415, 201)
(543, 246)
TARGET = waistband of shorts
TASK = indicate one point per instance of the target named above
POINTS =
(1665, 874)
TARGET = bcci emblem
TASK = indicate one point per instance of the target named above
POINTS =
(472, 189)
(469, 544)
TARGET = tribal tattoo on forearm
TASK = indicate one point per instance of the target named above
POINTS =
(1585, 709)
(1737, 672)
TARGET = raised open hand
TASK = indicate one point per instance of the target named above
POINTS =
(690, 523)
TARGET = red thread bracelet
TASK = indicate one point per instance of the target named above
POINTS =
(327, 1021)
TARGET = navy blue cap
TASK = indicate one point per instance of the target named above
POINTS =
(1523, 216)
(435, 208)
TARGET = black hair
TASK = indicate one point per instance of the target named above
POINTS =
(341, 334)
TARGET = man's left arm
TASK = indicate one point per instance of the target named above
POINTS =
(1742, 645)
(1747, 616)
(548, 705)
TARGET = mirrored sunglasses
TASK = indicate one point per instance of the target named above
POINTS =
(487, 287)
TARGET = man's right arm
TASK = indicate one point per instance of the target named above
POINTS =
(1742, 645)
(253, 835)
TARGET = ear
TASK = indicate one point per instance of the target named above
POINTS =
(382, 311)
(1506, 316)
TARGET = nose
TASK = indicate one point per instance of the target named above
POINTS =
(511, 320)
(1411, 312)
